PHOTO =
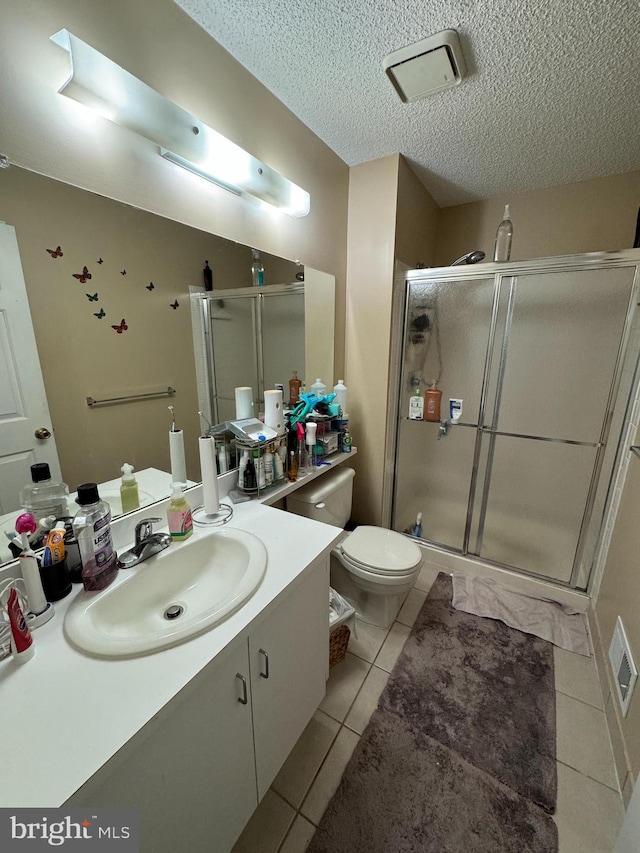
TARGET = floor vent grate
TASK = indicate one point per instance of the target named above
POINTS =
(624, 670)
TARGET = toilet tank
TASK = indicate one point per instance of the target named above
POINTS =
(328, 498)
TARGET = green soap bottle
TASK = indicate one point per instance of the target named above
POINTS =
(129, 489)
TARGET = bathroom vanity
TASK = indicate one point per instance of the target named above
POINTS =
(191, 736)
(198, 769)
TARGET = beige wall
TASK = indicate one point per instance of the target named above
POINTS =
(80, 354)
(373, 189)
(156, 41)
(391, 216)
(620, 596)
(589, 216)
(417, 220)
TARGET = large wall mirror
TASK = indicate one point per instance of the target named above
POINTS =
(108, 288)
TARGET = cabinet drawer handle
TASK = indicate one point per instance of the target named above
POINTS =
(264, 674)
(242, 699)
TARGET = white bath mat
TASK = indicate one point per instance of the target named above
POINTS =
(559, 623)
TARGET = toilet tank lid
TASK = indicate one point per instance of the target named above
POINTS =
(325, 485)
(381, 549)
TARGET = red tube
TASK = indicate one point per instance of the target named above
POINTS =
(21, 639)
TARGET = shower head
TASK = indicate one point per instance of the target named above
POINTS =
(469, 258)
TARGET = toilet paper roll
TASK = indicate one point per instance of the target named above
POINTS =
(244, 402)
(209, 474)
(176, 455)
(273, 415)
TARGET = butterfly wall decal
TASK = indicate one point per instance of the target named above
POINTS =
(101, 313)
(121, 328)
(91, 298)
(99, 261)
(83, 276)
(174, 305)
(150, 286)
(123, 272)
(56, 253)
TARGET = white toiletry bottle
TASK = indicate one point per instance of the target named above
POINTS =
(319, 388)
(504, 235)
(416, 406)
(92, 529)
(242, 468)
(258, 462)
(268, 467)
(340, 390)
(278, 464)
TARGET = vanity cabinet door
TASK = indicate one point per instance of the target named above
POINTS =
(288, 654)
(190, 771)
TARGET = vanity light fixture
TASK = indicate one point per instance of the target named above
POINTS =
(98, 82)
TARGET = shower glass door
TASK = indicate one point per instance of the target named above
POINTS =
(537, 357)
(446, 340)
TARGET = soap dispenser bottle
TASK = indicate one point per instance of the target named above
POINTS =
(432, 398)
(179, 514)
(129, 489)
(416, 407)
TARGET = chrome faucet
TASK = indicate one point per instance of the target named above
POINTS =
(443, 429)
(146, 545)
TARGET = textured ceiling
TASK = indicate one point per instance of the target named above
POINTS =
(552, 96)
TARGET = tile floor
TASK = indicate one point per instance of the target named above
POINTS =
(589, 809)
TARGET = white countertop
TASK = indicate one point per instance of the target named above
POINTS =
(65, 714)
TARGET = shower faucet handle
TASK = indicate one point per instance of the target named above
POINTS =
(444, 428)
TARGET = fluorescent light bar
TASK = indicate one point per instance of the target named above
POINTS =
(191, 167)
(99, 83)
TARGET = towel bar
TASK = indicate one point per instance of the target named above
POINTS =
(130, 398)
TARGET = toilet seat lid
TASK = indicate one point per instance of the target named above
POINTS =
(380, 550)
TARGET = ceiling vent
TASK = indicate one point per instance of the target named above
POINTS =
(426, 67)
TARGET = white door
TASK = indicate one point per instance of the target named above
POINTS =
(23, 403)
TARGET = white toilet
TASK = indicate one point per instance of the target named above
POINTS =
(373, 568)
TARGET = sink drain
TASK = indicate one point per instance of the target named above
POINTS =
(173, 612)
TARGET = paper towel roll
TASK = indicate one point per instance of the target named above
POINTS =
(244, 402)
(273, 415)
(210, 497)
(176, 455)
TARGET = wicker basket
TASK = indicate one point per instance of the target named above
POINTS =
(338, 642)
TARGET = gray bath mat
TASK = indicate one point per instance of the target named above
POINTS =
(460, 755)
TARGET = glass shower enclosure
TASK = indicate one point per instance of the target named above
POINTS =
(248, 336)
(543, 355)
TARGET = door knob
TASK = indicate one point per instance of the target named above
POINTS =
(42, 433)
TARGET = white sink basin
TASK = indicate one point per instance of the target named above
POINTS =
(204, 580)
